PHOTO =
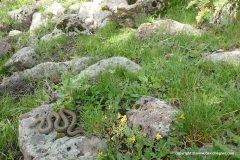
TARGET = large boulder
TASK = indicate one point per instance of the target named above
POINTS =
(23, 59)
(231, 57)
(36, 146)
(104, 65)
(153, 116)
(4, 47)
(162, 27)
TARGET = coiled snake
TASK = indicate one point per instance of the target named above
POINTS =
(40, 121)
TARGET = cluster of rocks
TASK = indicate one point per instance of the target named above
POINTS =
(85, 18)
(153, 115)
(39, 146)
(27, 58)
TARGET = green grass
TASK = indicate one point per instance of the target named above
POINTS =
(11, 108)
(208, 94)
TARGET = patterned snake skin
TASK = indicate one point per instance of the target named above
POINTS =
(53, 120)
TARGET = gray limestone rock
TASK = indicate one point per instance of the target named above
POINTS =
(129, 11)
(14, 33)
(18, 81)
(36, 146)
(74, 9)
(93, 15)
(23, 16)
(4, 47)
(153, 116)
(56, 9)
(152, 6)
(162, 27)
(231, 57)
(104, 65)
(38, 19)
(69, 25)
(55, 33)
(23, 59)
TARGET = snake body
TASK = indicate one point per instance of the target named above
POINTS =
(53, 120)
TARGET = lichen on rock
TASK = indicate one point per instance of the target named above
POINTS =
(152, 115)
(38, 146)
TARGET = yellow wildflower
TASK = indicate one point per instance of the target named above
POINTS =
(104, 117)
(201, 14)
(124, 119)
(110, 107)
(182, 116)
(198, 18)
(119, 115)
(112, 138)
(132, 139)
(206, 10)
(158, 137)
(99, 154)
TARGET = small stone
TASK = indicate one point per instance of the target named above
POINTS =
(14, 33)
(169, 55)
(22, 59)
(56, 9)
(38, 19)
(4, 47)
